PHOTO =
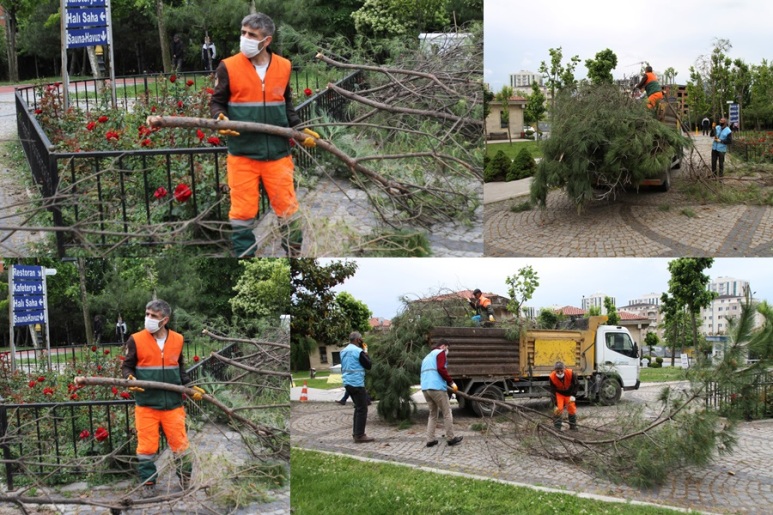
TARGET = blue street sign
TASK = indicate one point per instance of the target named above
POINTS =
(29, 318)
(734, 114)
(77, 18)
(28, 302)
(84, 3)
(27, 288)
(86, 37)
(26, 273)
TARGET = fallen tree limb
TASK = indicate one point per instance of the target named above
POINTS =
(219, 338)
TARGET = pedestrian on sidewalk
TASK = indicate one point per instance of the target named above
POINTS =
(354, 362)
(722, 137)
(435, 382)
(706, 124)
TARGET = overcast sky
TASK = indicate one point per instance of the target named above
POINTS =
(380, 282)
(518, 35)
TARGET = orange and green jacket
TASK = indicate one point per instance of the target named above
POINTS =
(146, 362)
(652, 85)
(242, 96)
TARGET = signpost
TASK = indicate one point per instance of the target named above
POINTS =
(735, 115)
(28, 303)
(86, 23)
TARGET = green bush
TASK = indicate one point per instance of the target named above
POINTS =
(498, 168)
(659, 360)
(656, 364)
(523, 166)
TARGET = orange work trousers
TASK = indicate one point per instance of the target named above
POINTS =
(148, 420)
(244, 175)
(563, 401)
(653, 99)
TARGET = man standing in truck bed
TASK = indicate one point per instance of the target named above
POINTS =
(651, 87)
(481, 304)
(563, 386)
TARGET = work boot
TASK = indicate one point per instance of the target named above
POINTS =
(292, 237)
(455, 440)
(557, 422)
(432, 443)
(363, 439)
(573, 422)
(148, 490)
(243, 240)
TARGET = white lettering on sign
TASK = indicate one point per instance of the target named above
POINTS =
(73, 18)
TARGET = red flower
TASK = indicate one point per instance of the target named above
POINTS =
(74, 396)
(307, 92)
(213, 140)
(114, 390)
(189, 82)
(125, 395)
(122, 358)
(200, 134)
(90, 126)
(209, 90)
(111, 135)
(196, 359)
(48, 391)
(102, 119)
(32, 384)
(38, 111)
(107, 351)
(71, 387)
(146, 143)
(101, 434)
(99, 368)
(172, 78)
(160, 193)
(85, 434)
(182, 193)
(93, 348)
(41, 379)
(180, 104)
(153, 109)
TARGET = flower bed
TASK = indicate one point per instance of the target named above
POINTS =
(754, 147)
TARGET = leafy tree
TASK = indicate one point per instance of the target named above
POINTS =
(612, 317)
(263, 291)
(593, 311)
(700, 104)
(504, 96)
(355, 311)
(688, 287)
(535, 105)
(719, 77)
(316, 316)
(399, 17)
(651, 340)
(558, 76)
(522, 286)
(669, 75)
(600, 68)
(549, 319)
(488, 97)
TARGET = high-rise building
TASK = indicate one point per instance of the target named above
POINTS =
(523, 79)
(729, 286)
(597, 299)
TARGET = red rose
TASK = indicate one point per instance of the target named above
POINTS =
(200, 134)
(121, 358)
(153, 109)
(48, 391)
(114, 390)
(93, 348)
(213, 140)
(101, 434)
(85, 434)
(38, 111)
(41, 379)
(32, 384)
(107, 351)
(307, 92)
(182, 193)
(196, 359)
(90, 126)
(189, 82)
(160, 193)
(111, 135)
(71, 387)
(99, 368)
(146, 143)
(209, 90)
(102, 119)
(74, 396)
(180, 104)
(172, 78)
(125, 395)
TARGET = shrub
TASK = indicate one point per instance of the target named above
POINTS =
(498, 168)
(523, 166)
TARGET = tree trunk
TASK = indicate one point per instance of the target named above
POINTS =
(166, 56)
(85, 300)
(92, 52)
(10, 38)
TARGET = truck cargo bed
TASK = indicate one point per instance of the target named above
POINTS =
(479, 352)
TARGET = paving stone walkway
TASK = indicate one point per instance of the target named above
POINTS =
(737, 483)
(644, 224)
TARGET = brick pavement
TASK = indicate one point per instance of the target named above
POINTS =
(737, 483)
(644, 224)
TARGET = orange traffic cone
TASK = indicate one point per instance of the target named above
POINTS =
(304, 393)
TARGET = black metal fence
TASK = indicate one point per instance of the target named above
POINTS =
(749, 397)
(110, 194)
(750, 151)
(37, 439)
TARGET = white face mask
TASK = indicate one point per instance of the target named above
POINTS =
(250, 47)
(560, 375)
(152, 325)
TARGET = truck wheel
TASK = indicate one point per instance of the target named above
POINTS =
(487, 391)
(609, 391)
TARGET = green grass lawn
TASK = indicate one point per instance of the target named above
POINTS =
(319, 382)
(512, 149)
(331, 484)
(660, 375)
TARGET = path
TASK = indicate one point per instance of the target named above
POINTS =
(645, 224)
(738, 483)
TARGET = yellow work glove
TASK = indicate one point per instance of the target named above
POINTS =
(225, 132)
(491, 318)
(134, 388)
(309, 142)
(199, 392)
(572, 399)
(454, 387)
(364, 346)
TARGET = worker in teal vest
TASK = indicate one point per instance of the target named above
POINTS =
(435, 382)
(354, 362)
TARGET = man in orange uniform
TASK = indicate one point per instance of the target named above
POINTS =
(651, 87)
(563, 386)
(155, 354)
(254, 86)
(480, 304)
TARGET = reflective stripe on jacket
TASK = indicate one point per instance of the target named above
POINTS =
(155, 365)
(253, 100)
(430, 377)
(652, 85)
(352, 371)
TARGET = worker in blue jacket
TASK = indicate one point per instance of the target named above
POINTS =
(354, 362)
(435, 382)
(722, 137)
